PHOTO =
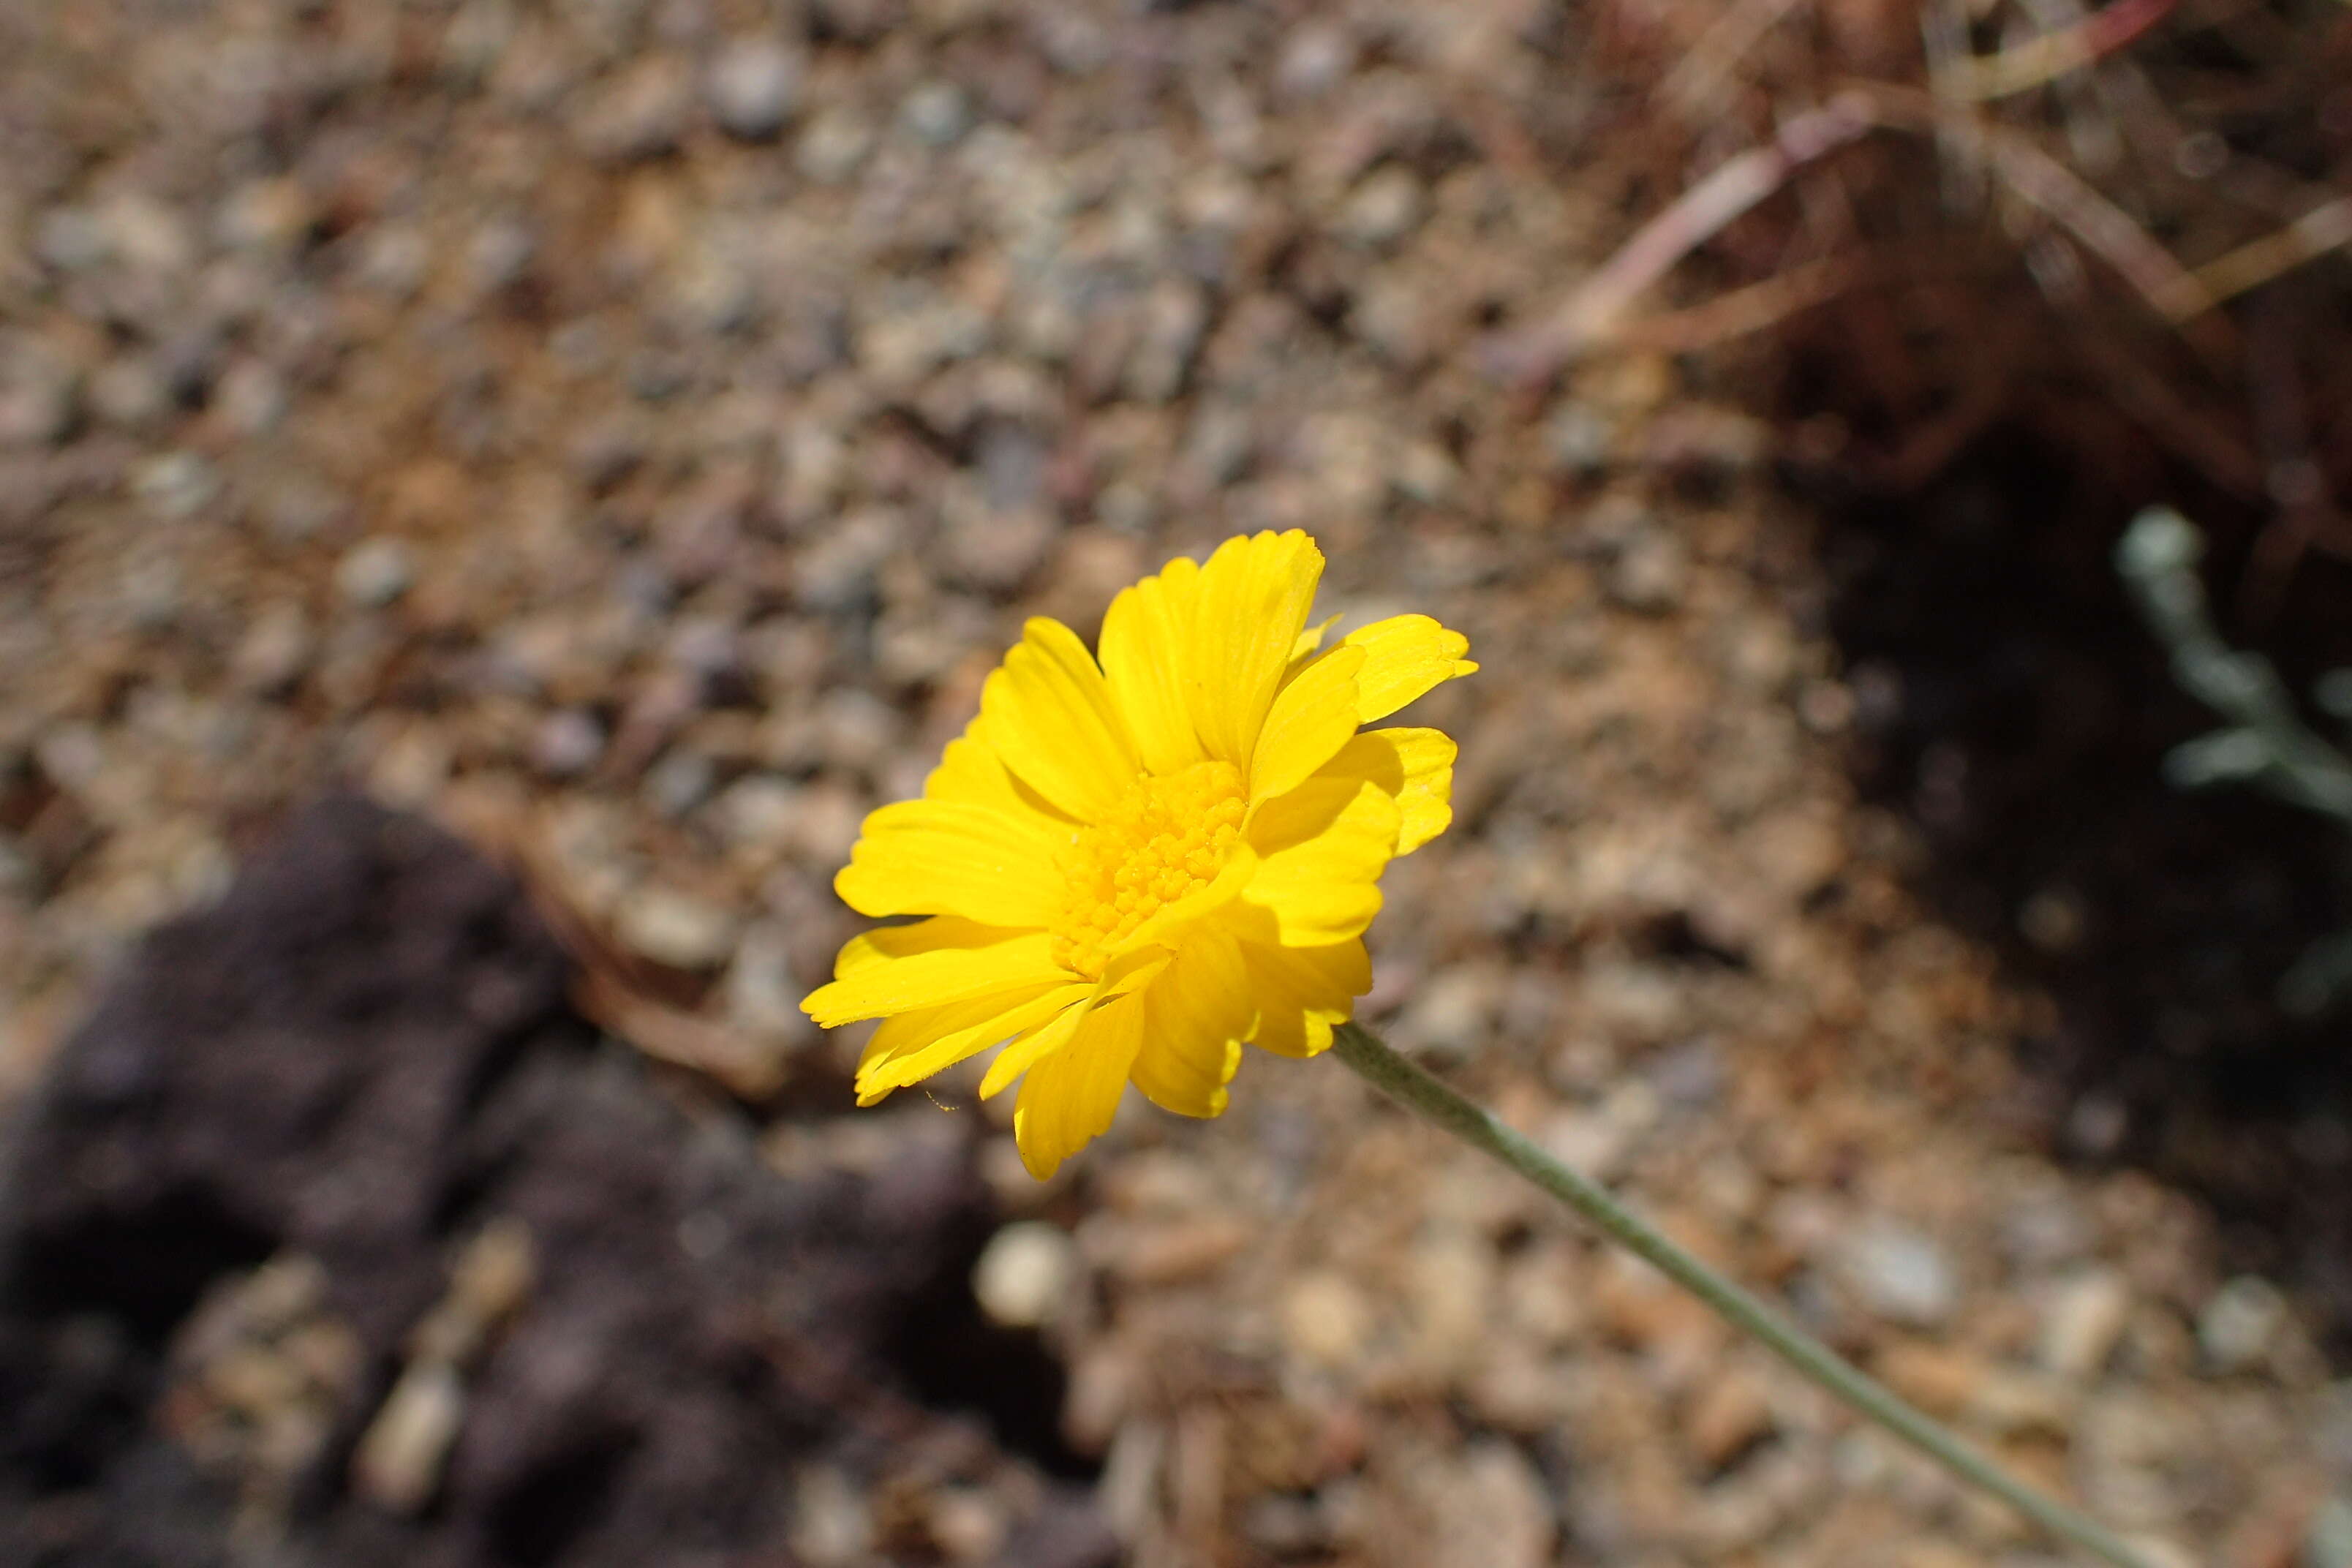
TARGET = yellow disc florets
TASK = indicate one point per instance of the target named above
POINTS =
(1166, 837)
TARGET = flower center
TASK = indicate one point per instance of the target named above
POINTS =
(1166, 837)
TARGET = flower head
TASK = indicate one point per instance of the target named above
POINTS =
(1134, 866)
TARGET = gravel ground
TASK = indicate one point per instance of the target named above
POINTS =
(627, 431)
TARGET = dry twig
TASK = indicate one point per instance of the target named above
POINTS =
(2055, 54)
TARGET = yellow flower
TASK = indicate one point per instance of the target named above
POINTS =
(1132, 867)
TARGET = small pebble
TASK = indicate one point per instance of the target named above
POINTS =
(274, 650)
(676, 929)
(834, 144)
(129, 391)
(681, 780)
(176, 484)
(1383, 210)
(1325, 1320)
(2083, 1321)
(753, 88)
(1652, 572)
(1730, 1416)
(567, 742)
(1025, 1275)
(640, 113)
(1900, 1273)
(937, 113)
(2239, 1323)
(398, 1463)
(374, 573)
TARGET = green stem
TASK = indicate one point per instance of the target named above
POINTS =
(1413, 1086)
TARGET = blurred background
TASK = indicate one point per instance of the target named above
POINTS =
(492, 491)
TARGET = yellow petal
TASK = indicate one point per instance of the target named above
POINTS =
(910, 1047)
(1407, 656)
(1303, 647)
(1070, 1095)
(1322, 848)
(1051, 719)
(1146, 639)
(1302, 991)
(1027, 1050)
(1196, 1013)
(1124, 976)
(971, 772)
(1312, 717)
(946, 857)
(1416, 766)
(1254, 594)
(897, 969)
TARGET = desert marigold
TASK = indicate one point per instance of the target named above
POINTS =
(1132, 867)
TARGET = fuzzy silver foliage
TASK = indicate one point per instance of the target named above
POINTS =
(2264, 742)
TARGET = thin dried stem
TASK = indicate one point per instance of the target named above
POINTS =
(1697, 216)
(2058, 194)
(2325, 228)
(2055, 54)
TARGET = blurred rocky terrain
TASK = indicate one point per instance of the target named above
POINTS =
(625, 433)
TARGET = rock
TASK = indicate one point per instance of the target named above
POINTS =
(274, 651)
(70, 239)
(1939, 1380)
(761, 993)
(567, 742)
(996, 549)
(1284, 1526)
(827, 825)
(1325, 1320)
(682, 779)
(1451, 1012)
(130, 391)
(2239, 1323)
(1493, 1511)
(251, 396)
(1315, 57)
(857, 730)
(500, 252)
(175, 485)
(753, 88)
(1899, 1274)
(641, 112)
(834, 144)
(1730, 1416)
(2083, 1322)
(1650, 573)
(1383, 209)
(398, 1463)
(969, 1522)
(937, 113)
(676, 929)
(364, 1057)
(1578, 438)
(296, 507)
(1589, 1141)
(832, 1525)
(756, 811)
(838, 569)
(375, 573)
(268, 215)
(1173, 316)
(1025, 1274)
(36, 401)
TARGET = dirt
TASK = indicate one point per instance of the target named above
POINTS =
(625, 435)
